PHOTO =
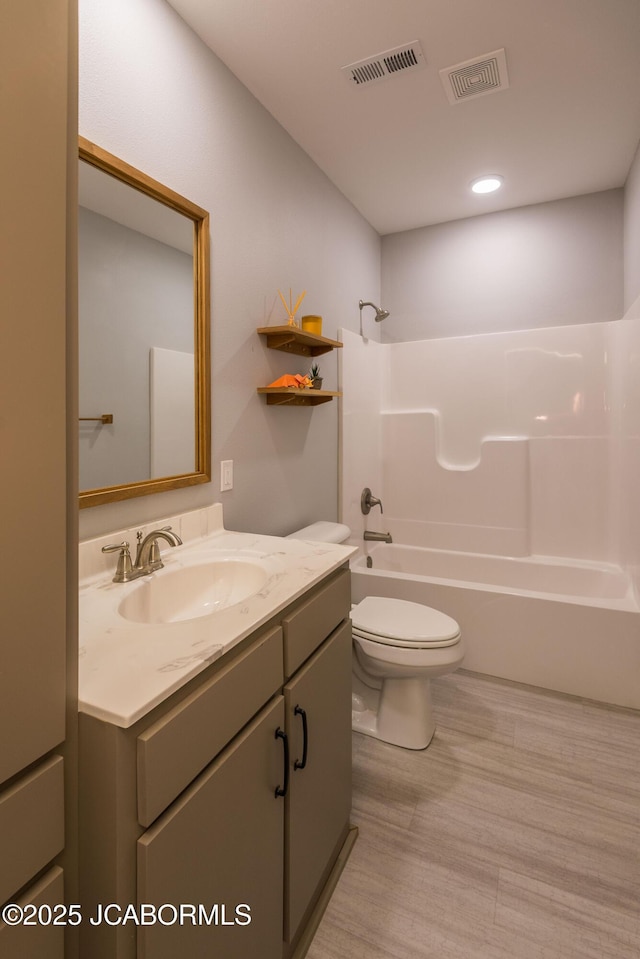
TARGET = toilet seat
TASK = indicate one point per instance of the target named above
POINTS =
(397, 622)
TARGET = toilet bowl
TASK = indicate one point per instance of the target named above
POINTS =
(398, 647)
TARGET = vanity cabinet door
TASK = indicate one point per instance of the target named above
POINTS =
(35, 53)
(220, 846)
(37, 61)
(319, 799)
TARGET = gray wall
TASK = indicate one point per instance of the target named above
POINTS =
(164, 103)
(546, 265)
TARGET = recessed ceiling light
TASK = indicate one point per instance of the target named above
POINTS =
(487, 184)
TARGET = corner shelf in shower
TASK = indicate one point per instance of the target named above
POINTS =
(290, 339)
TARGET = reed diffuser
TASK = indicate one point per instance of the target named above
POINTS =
(291, 310)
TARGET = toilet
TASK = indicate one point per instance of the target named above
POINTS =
(398, 646)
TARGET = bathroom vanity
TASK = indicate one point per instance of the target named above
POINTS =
(215, 820)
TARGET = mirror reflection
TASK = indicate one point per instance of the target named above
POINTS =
(143, 333)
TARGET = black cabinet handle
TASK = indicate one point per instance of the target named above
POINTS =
(282, 791)
(300, 764)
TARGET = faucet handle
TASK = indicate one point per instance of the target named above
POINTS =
(114, 547)
(367, 500)
(124, 567)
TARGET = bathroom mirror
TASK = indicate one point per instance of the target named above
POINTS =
(144, 356)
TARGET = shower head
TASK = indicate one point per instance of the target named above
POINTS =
(380, 313)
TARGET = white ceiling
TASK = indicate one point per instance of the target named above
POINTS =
(568, 124)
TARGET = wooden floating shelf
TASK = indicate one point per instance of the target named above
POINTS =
(292, 396)
(292, 340)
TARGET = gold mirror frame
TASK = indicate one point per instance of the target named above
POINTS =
(115, 167)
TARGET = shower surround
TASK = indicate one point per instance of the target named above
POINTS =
(521, 446)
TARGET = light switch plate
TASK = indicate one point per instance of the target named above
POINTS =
(226, 475)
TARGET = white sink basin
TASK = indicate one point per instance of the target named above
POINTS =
(181, 593)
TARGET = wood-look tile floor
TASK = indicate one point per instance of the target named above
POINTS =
(515, 835)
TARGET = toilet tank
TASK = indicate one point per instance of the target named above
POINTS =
(323, 532)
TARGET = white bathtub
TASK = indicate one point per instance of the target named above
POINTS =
(565, 625)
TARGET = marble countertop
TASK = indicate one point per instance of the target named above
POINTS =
(126, 668)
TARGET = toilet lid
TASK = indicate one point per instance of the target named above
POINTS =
(398, 621)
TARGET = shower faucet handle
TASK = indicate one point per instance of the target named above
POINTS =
(368, 500)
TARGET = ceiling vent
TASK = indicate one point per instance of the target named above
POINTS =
(388, 64)
(476, 78)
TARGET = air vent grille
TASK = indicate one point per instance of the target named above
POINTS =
(384, 65)
(476, 78)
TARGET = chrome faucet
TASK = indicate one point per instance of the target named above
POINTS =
(147, 554)
(371, 536)
(368, 500)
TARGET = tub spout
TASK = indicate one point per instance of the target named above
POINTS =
(371, 536)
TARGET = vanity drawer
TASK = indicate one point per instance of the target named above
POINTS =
(31, 825)
(172, 752)
(312, 621)
(42, 940)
